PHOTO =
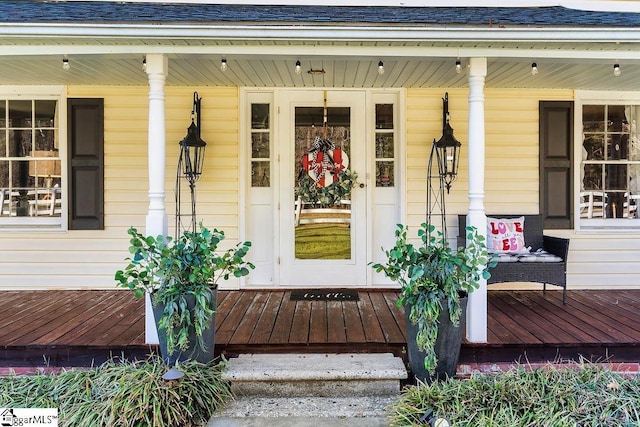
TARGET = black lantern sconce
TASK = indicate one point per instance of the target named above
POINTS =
(446, 154)
(447, 148)
(192, 146)
(190, 163)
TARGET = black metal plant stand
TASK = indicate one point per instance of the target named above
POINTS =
(436, 210)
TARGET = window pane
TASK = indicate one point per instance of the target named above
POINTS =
(384, 174)
(20, 114)
(384, 146)
(592, 179)
(259, 116)
(615, 118)
(260, 174)
(45, 140)
(384, 116)
(46, 173)
(616, 177)
(260, 145)
(593, 147)
(20, 175)
(615, 201)
(617, 147)
(45, 113)
(593, 118)
(19, 143)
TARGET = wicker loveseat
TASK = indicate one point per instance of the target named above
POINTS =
(553, 273)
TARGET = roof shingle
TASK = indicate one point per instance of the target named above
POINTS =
(31, 11)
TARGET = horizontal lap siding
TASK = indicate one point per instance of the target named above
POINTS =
(88, 259)
(596, 260)
(511, 136)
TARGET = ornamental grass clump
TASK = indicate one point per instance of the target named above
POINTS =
(582, 395)
(122, 394)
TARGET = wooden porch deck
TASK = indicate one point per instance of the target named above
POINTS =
(78, 328)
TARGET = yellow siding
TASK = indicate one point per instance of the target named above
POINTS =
(596, 260)
(89, 259)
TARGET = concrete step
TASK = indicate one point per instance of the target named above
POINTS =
(315, 375)
(369, 411)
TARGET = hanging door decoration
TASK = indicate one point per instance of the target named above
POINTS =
(324, 177)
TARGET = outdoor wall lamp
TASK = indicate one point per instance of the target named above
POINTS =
(192, 146)
(447, 149)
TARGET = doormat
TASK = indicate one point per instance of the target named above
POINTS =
(324, 295)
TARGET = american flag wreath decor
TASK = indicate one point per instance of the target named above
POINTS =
(324, 161)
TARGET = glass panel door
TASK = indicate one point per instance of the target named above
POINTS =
(323, 183)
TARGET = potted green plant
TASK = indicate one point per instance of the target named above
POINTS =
(435, 281)
(182, 275)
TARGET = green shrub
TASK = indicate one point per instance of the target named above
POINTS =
(588, 395)
(122, 394)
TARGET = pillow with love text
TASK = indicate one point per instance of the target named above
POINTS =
(505, 235)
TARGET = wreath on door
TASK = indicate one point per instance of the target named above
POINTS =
(324, 177)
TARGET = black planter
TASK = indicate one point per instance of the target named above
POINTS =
(193, 351)
(447, 345)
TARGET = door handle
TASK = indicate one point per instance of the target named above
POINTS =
(362, 185)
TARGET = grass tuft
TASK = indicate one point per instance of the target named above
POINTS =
(122, 394)
(584, 395)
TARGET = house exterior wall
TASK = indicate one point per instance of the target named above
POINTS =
(597, 259)
(88, 259)
(80, 259)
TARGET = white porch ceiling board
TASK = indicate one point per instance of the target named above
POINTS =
(340, 72)
(193, 70)
(416, 72)
(364, 71)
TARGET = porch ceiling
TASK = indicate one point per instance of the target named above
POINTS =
(186, 69)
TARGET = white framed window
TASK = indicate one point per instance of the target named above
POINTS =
(608, 157)
(32, 154)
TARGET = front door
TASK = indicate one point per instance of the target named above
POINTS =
(322, 197)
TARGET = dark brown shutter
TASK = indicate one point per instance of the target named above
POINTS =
(556, 176)
(86, 163)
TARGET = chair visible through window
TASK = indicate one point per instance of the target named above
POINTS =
(631, 205)
(593, 204)
(45, 201)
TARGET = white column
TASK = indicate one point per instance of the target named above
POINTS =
(477, 308)
(157, 223)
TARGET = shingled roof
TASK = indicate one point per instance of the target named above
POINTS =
(29, 11)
